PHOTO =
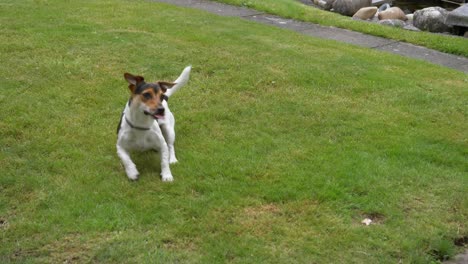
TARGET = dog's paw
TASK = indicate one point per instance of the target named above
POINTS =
(173, 160)
(167, 177)
(132, 174)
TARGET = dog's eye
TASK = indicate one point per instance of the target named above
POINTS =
(147, 96)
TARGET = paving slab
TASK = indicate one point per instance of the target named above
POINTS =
(433, 56)
(458, 259)
(348, 36)
(342, 35)
(320, 31)
(279, 22)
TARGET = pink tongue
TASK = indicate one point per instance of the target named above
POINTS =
(158, 116)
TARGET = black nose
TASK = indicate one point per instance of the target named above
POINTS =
(160, 111)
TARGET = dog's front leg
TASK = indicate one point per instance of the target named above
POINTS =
(169, 135)
(130, 167)
(166, 174)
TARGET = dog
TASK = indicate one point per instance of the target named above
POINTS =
(147, 123)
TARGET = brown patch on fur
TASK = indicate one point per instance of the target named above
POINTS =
(132, 88)
(154, 102)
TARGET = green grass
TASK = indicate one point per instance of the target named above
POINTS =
(285, 143)
(296, 10)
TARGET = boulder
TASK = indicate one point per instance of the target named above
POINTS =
(432, 19)
(366, 13)
(393, 22)
(409, 18)
(329, 5)
(458, 17)
(381, 2)
(392, 13)
(326, 4)
(384, 7)
(411, 27)
(350, 7)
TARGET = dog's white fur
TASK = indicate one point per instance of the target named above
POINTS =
(160, 136)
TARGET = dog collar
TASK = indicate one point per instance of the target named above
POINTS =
(135, 127)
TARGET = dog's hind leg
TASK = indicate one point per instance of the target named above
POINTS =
(130, 167)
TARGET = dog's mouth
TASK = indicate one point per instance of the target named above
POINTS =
(157, 115)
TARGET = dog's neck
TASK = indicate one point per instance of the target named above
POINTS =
(136, 117)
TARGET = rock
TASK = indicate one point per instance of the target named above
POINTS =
(350, 7)
(392, 13)
(409, 18)
(458, 17)
(365, 13)
(374, 19)
(466, 34)
(366, 221)
(329, 5)
(411, 27)
(320, 3)
(461, 258)
(326, 4)
(392, 22)
(384, 7)
(381, 2)
(432, 19)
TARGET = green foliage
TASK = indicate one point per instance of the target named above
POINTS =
(285, 143)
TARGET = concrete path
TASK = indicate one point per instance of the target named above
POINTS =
(458, 259)
(401, 48)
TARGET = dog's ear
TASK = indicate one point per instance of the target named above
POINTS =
(165, 85)
(133, 80)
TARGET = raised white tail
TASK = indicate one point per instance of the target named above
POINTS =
(181, 81)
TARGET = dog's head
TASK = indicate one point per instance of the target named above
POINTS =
(148, 96)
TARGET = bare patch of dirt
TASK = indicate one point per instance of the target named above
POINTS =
(75, 248)
(461, 241)
(22, 254)
(172, 244)
(258, 220)
(258, 211)
(376, 217)
(3, 223)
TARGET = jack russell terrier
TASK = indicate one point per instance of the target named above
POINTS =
(147, 123)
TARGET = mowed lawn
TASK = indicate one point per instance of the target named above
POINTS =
(285, 143)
